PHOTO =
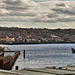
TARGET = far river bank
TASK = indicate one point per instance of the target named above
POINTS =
(10, 43)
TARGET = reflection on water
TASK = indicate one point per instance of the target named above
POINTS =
(42, 55)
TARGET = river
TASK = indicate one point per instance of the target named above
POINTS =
(43, 55)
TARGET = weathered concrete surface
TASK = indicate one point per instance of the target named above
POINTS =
(48, 71)
(66, 70)
(5, 72)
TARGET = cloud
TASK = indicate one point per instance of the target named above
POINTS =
(16, 5)
(66, 19)
(69, 11)
(47, 11)
(3, 12)
(61, 4)
(17, 2)
(52, 15)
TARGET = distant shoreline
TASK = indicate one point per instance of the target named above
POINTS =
(36, 43)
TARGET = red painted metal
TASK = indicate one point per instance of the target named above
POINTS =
(1, 63)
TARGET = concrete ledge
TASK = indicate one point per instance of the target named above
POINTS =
(10, 72)
(40, 71)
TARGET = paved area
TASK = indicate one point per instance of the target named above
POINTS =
(66, 70)
(5, 72)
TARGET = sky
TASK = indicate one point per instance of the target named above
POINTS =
(51, 14)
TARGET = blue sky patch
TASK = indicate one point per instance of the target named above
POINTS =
(67, 0)
(47, 0)
(38, 1)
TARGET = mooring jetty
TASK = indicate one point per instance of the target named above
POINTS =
(8, 64)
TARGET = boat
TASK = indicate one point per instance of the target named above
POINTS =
(73, 50)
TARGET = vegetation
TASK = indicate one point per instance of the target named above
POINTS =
(38, 30)
(43, 42)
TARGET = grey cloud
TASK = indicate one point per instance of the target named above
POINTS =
(61, 4)
(15, 5)
(3, 12)
(50, 21)
(46, 21)
(12, 19)
(66, 19)
(43, 20)
(19, 3)
(51, 15)
(17, 11)
(35, 19)
(22, 14)
(16, 8)
(69, 11)
(12, 2)
(16, 2)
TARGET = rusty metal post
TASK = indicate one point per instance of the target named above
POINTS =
(24, 54)
(16, 68)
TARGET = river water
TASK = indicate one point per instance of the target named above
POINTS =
(43, 55)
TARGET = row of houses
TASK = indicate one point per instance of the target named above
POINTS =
(72, 39)
(9, 39)
(28, 37)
